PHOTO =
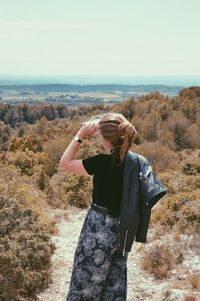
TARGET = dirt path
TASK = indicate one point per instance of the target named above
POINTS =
(141, 286)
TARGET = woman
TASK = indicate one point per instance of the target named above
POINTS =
(99, 270)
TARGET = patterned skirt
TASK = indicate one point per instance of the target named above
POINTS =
(99, 271)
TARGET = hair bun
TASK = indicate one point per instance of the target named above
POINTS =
(126, 129)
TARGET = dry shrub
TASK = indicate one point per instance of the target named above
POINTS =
(190, 162)
(176, 181)
(125, 107)
(25, 252)
(159, 155)
(55, 147)
(182, 208)
(78, 191)
(30, 142)
(137, 122)
(56, 191)
(167, 296)
(191, 168)
(176, 232)
(42, 180)
(166, 178)
(178, 124)
(41, 126)
(190, 298)
(192, 136)
(25, 161)
(158, 232)
(24, 190)
(65, 188)
(194, 280)
(173, 122)
(50, 167)
(159, 260)
(190, 92)
(150, 127)
(167, 139)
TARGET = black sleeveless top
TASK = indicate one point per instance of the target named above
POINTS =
(107, 180)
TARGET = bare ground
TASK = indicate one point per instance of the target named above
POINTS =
(141, 285)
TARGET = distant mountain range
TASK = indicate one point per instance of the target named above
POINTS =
(102, 88)
(167, 80)
(76, 94)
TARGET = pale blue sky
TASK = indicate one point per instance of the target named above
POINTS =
(129, 37)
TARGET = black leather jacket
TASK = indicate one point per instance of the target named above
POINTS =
(141, 190)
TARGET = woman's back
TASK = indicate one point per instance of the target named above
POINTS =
(107, 180)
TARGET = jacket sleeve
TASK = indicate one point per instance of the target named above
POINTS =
(143, 226)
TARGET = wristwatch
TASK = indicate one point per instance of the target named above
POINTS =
(77, 138)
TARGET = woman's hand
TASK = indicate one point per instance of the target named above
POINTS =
(87, 130)
(68, 161)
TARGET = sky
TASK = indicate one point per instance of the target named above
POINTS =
(100, 37)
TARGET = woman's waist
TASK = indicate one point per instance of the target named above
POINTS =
(103, 208)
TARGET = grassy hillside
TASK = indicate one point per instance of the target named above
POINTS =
(31, 182)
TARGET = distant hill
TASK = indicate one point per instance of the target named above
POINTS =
(108, 88)
(79, 94)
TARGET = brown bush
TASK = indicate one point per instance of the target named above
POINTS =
(25, 252)
(30, 142)
(177, 182)
(126, 108)
(190, 298)
(55, 147)
(55, 190)
(41, 126)
(25, 190)
(42, 180)
(190, 161)
(167, 138)
(159, 155)
(192, 136)
(28, 161)
(178, 124)
(25, 162)
(190, 92)
(150, 127)
(160, 260)
(194, 280)
(180, 208)
(78, 191)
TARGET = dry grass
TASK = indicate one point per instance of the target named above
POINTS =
(26, 251)
(194, 280)
(190, 298)
(176, 230)
(167, 295)
(181, 208)
(160, 259)
(160, 156)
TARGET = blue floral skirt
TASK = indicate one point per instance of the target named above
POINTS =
(99, 271)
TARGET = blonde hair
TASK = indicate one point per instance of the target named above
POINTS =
(116, 129)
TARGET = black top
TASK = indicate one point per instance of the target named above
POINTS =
(107, 180)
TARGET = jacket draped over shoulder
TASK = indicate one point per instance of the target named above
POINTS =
(141, 191)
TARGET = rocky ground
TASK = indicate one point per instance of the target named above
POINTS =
(141, 285)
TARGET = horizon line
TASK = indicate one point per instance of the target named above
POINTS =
(104, 75)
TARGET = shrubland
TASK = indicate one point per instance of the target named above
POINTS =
(33, 139)
(25, 251)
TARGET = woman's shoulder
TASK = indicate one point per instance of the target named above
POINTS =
(98, 162)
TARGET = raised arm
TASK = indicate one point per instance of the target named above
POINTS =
(68, 161)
